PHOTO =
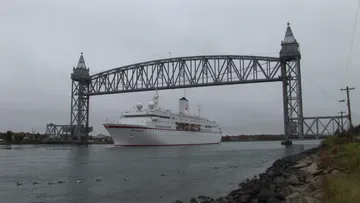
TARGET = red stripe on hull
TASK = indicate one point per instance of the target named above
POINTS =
(131, 145)
(148, 128)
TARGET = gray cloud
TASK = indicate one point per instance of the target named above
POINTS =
(41, 42)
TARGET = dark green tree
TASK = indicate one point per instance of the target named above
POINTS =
(8, 136)
(18, 138)
(37, 136)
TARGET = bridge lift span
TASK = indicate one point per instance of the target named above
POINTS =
(201, 71)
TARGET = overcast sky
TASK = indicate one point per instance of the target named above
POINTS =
(41, 40)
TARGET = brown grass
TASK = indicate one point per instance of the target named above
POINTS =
(344, 155)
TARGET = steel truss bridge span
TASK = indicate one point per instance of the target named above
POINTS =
(185, 72)
(199, 71)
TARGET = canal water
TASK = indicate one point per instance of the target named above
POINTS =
(149, 174)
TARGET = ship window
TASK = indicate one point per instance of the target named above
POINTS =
(148, 115)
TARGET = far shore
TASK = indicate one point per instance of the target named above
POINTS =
(41, 142)
(53, 143)
(259, 140)
(262, 137)
(21, 138)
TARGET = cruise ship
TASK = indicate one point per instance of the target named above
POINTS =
(155, 126)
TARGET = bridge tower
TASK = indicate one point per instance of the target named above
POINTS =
(79, 115)
(292, 93)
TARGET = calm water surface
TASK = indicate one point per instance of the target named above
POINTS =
(149, 174)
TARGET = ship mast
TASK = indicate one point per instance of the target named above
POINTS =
(199, 110)
(156, 99)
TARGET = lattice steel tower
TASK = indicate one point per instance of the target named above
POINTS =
(79, 116)
(292, 93)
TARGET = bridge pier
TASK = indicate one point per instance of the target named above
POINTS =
(286, 142)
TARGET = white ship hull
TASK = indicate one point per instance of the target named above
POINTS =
(130, 135)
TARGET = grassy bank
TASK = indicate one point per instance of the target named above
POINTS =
(343, 154)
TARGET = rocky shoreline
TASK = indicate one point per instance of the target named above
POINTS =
(296, 178)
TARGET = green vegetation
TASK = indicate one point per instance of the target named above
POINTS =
(342, 152)
(10, 137)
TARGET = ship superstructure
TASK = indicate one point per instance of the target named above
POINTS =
(155, 126)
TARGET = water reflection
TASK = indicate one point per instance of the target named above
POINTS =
(183, 168)
(79, 178)
(7, 146)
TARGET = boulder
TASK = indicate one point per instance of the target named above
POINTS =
(274, 200)
(244, 198)
(293, 197)
(257, 187)
(335, 171)
(279, 181)
(254, 201)
(284, 193)
(202, 197)
(293, 180)
(248, 191)
(310, 200)
(312, 169)
(309, 178)
(301, 175)
(303, 163)
(316, 183)
(272, 187)
(295, 189)
(230, 201)
(285, 174)
(316, 172)
(234, 192)
(318, 194)
(220, 200)
(265, 194)
(193, 200)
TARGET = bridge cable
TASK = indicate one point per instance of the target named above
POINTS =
(352, 41)
(343, 107)
(323, 91)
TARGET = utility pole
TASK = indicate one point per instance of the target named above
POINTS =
(342, 120)
(347, 89)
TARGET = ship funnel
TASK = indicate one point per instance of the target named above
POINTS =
(183, 105)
